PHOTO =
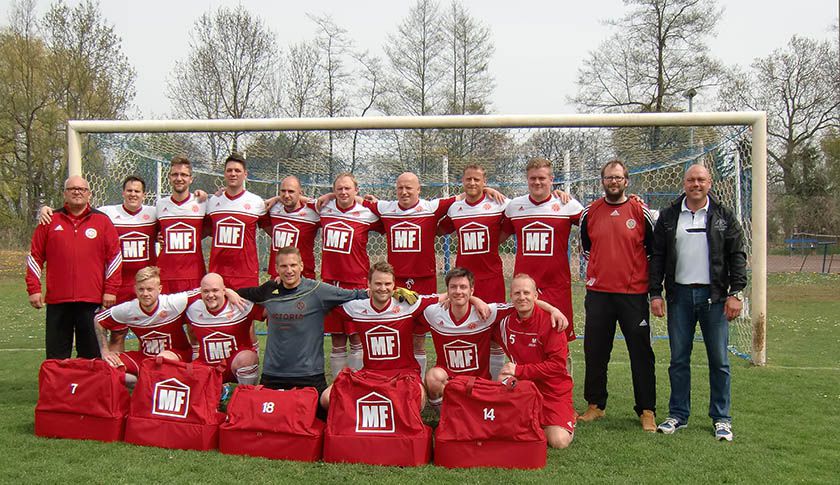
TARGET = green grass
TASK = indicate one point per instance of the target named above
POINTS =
(784, 416)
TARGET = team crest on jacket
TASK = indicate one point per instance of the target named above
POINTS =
(631, 224)
(720, 225)
(301, 305)
(91, 233)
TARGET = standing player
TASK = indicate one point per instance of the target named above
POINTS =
(137, 228)
(224, 331)
(541, 222)
(616, 236)
(538, 353)
(157, 321)
(233, 219)
(345, 226)
(181, 219)
(293, 223)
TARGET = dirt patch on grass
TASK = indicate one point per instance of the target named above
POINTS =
(12, 263)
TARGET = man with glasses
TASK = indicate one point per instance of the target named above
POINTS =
(81, 248)
(616, 233)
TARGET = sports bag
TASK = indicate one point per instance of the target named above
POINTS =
(81, 399)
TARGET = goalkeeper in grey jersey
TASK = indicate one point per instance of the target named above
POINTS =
(296, 307)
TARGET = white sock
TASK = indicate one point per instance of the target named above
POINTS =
(338, 361)
(420, 355)
(248, 374)
(354, 360)
(435, 404)
(497, 360)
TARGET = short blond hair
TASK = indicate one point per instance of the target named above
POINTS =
(538, 162)
(147, 273)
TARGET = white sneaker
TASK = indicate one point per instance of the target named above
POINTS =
(723, 431)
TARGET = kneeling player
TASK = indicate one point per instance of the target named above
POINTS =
(538, 353)
(387, 327)
(157, 321)
(223, 331)
(461, 336)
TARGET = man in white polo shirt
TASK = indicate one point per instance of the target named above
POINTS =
(698, 249)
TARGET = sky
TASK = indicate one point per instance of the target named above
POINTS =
(539, 44)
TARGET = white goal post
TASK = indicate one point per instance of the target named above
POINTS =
(755, 121)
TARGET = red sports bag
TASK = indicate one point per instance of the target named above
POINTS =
(81, 399)
(486, 423)
(375, 419)
(273, 424)
(174, 405)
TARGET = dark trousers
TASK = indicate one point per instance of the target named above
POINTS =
(66, 320)
(633, 316)
(318, 381)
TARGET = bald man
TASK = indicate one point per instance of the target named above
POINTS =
(81, 248)
(293, 223)
(698, 249)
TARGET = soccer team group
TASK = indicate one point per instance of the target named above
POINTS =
(106, 276)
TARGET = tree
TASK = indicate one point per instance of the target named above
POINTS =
(798, 87)
(370, 89)
(232, 71)
(468, 52)
(303, 85)
(658, 52)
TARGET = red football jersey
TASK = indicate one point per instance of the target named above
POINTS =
(616, 239)
(542, 238)
(158, 330)
(410, 233)
(138, 234)
(387, 333)
(297, 228)
(538, 351)
(181, 223)
(478, 226)
(233, 222)
(462, 345)
(344, 238)
(223, 333)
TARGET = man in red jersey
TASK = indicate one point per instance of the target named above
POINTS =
(616, 234)
(157, 321)
(233, 219)
(541, 222)
(538, 353)
(82, 251)
(224, 331)
(345, 225)
(293, 223)
(181, 219)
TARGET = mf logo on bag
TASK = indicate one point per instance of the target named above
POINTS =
(374, 414)
(171, 398)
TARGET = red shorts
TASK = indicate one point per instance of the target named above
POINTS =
(126, 293)
(559, 411)
(178, 286)
(491, 290)
(424, 285)
(227, 375)
(132, 359)
(237, 282)
(561, 298)
(332, 324)
(452, 375)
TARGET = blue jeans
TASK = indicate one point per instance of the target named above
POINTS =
(686, 306)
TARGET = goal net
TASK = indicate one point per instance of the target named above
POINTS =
(656, 156)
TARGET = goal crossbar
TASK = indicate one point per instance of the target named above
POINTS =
(756, 120)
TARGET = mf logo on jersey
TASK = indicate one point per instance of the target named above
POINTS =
(537, 239)
(135, 246)
(171, 398)
(180, 239)
(461, 356)
(405, 237)
(337, 237)
(474, 238)
(383, 343)
(283, 235)
(230, 233)
(218, 346)
(374, 414)
(154, 343)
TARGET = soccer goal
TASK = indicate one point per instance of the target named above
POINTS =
(657, 147)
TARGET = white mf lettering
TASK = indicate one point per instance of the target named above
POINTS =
(374, 414)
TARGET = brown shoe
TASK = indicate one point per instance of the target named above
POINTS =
(592, 413)
(648, 423)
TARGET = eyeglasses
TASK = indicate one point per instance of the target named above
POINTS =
(613, 178)
(77, 189)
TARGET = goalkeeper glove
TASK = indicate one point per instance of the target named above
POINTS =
(405, 295)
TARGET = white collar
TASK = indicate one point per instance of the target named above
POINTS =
(704, 208)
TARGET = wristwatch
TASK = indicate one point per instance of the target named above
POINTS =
(738, 295)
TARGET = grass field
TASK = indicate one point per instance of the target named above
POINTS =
(784, 417)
